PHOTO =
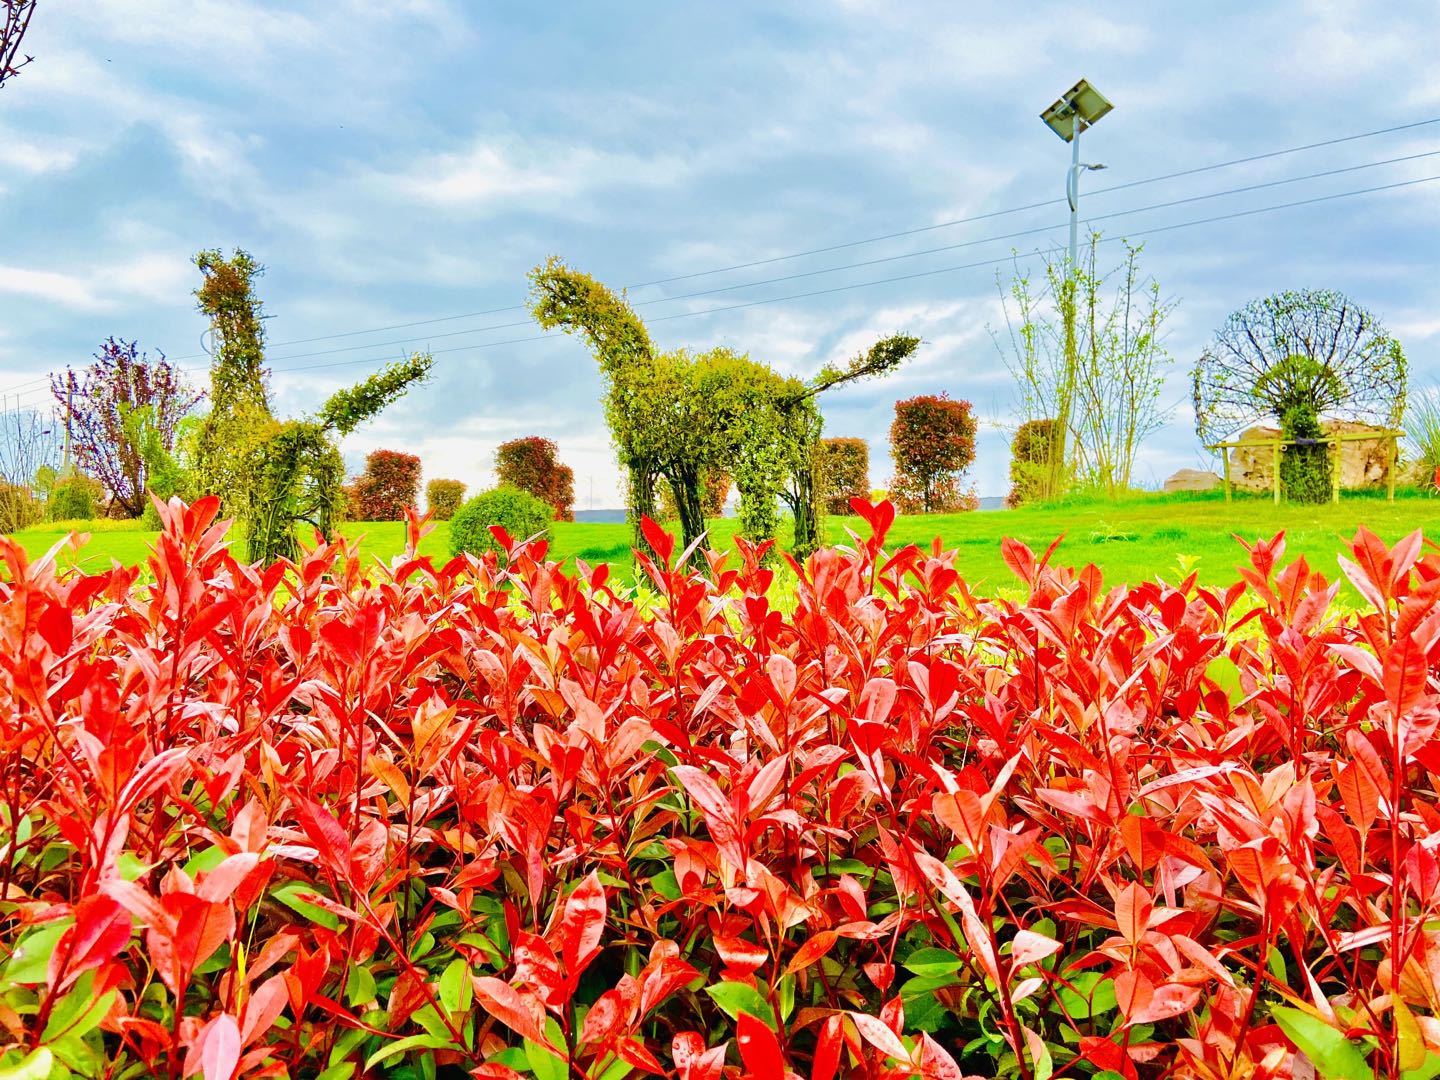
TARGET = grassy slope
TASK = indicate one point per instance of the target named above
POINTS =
(1130, 540)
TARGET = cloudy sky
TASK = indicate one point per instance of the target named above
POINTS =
(408, 162)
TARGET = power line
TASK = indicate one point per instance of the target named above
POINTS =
(900, 257)
(918, 274)
(875, 239)
(885, 236)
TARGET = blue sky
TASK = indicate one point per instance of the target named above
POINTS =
(411, 160)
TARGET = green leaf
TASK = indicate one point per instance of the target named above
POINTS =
(399, 1046)
(1335, 1057)
(932, 962)
(36, 1066)
(359, 986)
(343, 1071)
(735, 998)
(32, 956)
(287, 895)
(454, 986)
(924, 984)
(1043, 1067)
(544, 1063)
(665, 884)
(1091, 996)
(78, 1012)
(1428, 1071)
(430, 1020)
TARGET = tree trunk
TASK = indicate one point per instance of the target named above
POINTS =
(688, 487)
(640, 502)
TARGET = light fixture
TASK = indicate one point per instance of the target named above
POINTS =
(1081, 102)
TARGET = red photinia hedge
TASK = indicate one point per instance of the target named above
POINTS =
(348, 820)
(387, 489)
(530, 464)
(932, 440)
(844, 468)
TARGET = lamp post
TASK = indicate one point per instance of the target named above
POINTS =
(1078, 109)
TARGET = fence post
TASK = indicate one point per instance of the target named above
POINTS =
(1225, 456)
(1334, 450)
(1275, 469)
(1391, 456)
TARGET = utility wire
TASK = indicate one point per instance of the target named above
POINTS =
(893, 258)
(919, 274)
(885, 236)
(886, 259)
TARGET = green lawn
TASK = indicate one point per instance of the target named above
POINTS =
(1133, 539)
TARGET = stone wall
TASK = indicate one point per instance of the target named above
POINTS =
(1362, 463)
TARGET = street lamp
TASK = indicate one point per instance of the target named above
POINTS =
(1078, 109)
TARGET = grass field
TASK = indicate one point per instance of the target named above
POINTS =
(1133, 539)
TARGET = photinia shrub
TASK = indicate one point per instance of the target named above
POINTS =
(388, 488)
(443, 498)
(531, 465)
(339, 819)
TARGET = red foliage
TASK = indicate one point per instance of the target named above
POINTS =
(530, 465)
(272, 821)
(844, 469)
(932, 441)
(387, 489)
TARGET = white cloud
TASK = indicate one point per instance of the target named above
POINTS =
(32, 157)
(499, 171)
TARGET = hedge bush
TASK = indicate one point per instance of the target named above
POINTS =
(844, 469)
(350, 819)
(1029, 461)
(74, 499)
(530, 464)
(443, 498)
(388, 487)
(19, 508)
(518, 512)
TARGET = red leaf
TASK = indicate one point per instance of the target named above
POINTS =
(221, 1048)
(718, 813)
(1168, 1001)
(740, 955)
(661, 542)
(759, 1048)
(102, 928)
(582, 925)
(693, 1061)
(828, 1045)
(326, 834)
(661, 978)
(521, 1012)
(1028, 947)
(875, 1032)
(814, 948)
(1132, 912)
(603, 1019)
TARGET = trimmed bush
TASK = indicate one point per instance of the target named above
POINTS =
(73, 499)
(1029, 461)
(530, 464)
(518, 512)
(844, 468)
(389, 486)
(443, 498)
(933, 442)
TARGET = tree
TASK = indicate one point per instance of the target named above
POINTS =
(530, 464)
(14, 21)
(270, 474)
(29, 441)
(844, 470)
(98, 402)
(1031, 451)
(443, 498)
(682, 416)
(388, 487)
(715, 490)
(932, 441)
(1104, 394)
(1297, 358)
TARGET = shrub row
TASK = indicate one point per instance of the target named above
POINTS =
(342, 820)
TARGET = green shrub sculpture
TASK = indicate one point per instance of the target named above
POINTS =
(518, 512)
(680, 416)
(1297, 358)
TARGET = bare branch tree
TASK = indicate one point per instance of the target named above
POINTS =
(17, 15)
(29, 440)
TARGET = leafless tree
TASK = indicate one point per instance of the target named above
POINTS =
(17, 15)
(29, 440)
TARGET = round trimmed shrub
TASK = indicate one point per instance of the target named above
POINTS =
(518, 512)
(72, 499)
(443, 498)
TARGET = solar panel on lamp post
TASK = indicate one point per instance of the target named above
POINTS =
(1078, 109)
